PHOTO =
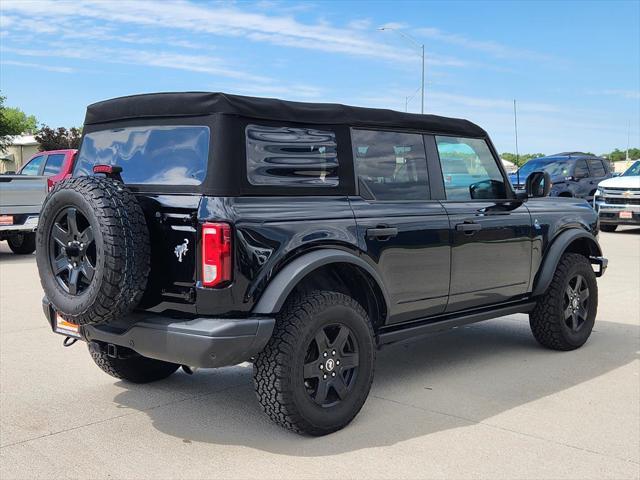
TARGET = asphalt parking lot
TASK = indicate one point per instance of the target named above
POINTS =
(484, 401)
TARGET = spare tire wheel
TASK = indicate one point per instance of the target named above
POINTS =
(92, 250)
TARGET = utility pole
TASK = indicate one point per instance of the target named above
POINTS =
(515, 124)
(422, 108)
(421, 47)
(628, 140)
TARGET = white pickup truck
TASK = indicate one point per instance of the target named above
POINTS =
(21, 198)
(617, 200)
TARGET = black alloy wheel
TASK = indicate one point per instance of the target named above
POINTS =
(72, 250)
(576, 303)
(331, 365)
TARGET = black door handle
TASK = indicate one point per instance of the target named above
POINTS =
(382, 233)
(468, 227)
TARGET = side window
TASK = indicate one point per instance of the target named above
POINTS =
(291, 156)
(391, 165)
(581, 170)
(33, 167)
(597, 170)
(54, 164)
(469, 169)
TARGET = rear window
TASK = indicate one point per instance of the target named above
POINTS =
(54, 164)
(291, 156)
(170, 155)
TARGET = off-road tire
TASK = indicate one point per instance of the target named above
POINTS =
(22, 243)
(547, 318)
(277, 370)
(605, 227)
(122, 249)
(130, 366)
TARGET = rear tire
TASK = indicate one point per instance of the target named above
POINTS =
(318, 328)
(608, 228)
(130, 366)
(22, 243)
(564, 316)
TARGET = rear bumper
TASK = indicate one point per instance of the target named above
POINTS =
(202, 342)
(27, 223)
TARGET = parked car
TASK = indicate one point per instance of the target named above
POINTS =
(21, 198)
(56, 165)
(211, 229)
(617, 200)
(574, 174)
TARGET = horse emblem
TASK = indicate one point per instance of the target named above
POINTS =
(181, 249)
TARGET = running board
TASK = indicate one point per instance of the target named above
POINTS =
(416, 329)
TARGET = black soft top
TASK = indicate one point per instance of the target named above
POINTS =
(182, 104)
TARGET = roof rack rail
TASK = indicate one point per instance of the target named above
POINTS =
(570, 154)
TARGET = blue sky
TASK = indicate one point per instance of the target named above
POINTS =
(574, 67)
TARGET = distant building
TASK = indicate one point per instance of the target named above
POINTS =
(510, 167)
(22, 147)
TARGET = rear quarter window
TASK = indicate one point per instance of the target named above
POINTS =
(169, 155)
(291, 156)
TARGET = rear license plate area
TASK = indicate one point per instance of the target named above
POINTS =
(626, 215)
(65, 328)
(6, 219)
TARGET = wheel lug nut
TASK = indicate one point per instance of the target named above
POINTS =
(321, 366)
(333, 374)
(337, 362)
(333, 352)
(324, 376)
(324, 354)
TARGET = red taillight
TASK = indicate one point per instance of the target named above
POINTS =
(216, 254)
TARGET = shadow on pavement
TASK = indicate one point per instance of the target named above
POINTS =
(436, 383)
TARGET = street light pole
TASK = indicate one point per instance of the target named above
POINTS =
(417, 44)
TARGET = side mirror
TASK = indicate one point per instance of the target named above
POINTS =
(538, 184)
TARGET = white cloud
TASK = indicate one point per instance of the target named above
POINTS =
(615, 92)
(494, 49)
(223, 21)
(39, 66)
(178, 61)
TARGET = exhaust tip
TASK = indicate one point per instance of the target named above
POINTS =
(189, 370)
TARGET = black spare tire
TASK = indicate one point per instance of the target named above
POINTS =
(92, 250)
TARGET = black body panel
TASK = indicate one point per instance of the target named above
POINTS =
(491, 255)
(414, 260)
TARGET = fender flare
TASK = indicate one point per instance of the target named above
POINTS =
(280, 286)
(552, 257)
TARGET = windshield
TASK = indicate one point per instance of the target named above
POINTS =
(170, 155)
(633, 170)
(555, 168)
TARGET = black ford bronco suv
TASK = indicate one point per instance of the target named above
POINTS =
(203, 230)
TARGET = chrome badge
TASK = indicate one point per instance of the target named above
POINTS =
(181, 249)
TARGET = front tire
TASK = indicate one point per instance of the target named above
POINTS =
(130, 366)
(315, 373)
(564, 316)
(608, 228)
(22, 243)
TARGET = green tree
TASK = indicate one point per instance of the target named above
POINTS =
(619, 155)
(14, 121)
(59, 138)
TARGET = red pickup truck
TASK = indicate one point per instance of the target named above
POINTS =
(54, 164)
